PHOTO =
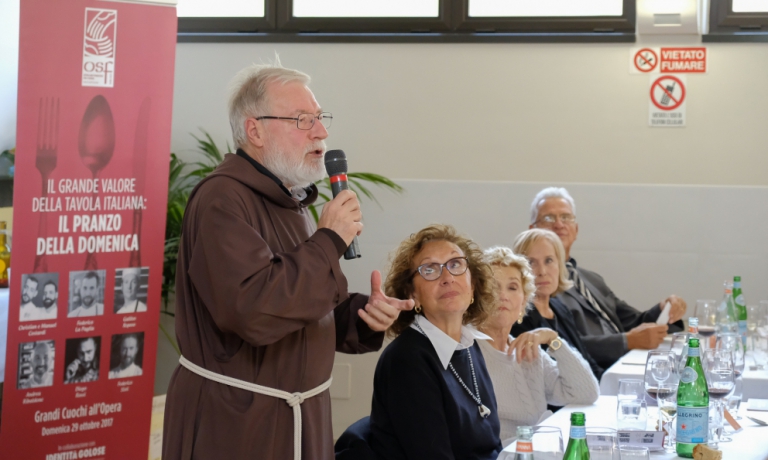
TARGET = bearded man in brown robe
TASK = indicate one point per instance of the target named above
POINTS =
(261, 298)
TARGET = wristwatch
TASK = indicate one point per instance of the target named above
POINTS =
(555, 344)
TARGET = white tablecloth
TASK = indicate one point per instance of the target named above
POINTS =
(632, 366)
(749, 444)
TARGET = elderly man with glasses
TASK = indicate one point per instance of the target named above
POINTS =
(261, 301)
(609, 327)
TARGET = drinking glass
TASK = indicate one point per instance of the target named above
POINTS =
(660, 367)
(632, 414)
(732, 342)
(634, 453)
(719, 372)
(706, 311)
(547, 442)
(603, 444)
(757, 335)
(666, 397)
(631, 389)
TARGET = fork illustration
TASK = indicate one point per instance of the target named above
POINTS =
(45, 161)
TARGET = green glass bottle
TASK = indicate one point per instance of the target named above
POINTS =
(577, 443)
(741, 309)
(692, 403)
(726, 312)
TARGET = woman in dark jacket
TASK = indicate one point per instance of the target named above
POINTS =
(546, 255)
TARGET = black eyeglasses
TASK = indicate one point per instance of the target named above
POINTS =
(432, 271)
(305, 121)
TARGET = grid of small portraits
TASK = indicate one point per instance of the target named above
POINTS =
(40, 293)
(81, 360)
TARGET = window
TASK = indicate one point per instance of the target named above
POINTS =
(366, 8)
(545, 8)
(220, 8)
(738, 20)
(750, 6)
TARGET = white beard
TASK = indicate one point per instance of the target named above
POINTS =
(291, 168)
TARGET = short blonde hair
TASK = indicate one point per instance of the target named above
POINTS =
(525, 240)
(500, 256)
(399, 282)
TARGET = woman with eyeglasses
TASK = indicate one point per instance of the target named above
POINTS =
(525, 379)
(546, 256)
(432, 395)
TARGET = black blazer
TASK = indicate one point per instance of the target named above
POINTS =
(606, 349)
(564, 326)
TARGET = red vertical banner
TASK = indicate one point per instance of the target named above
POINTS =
(91, 184)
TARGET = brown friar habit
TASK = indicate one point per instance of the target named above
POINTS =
(260, 297)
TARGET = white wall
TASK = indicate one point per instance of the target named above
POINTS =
(522, 112)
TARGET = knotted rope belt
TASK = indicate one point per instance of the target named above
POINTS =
(294, 400)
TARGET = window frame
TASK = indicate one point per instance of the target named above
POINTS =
(727, 26)
(225, 25)
(452, 25)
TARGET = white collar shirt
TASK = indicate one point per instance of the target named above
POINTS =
(444, 345)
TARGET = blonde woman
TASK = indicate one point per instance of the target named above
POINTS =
(546, 256)
(524, 378)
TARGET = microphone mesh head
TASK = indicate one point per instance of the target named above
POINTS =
(335, 162)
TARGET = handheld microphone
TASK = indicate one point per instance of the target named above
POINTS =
(336, 166)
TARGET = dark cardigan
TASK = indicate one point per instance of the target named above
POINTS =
(563, 324)
(420, 410)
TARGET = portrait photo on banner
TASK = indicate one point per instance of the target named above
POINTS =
(36, 364)
(81, 359)
(39, 296)
(126, 357)
(131, 286)
(86, 293)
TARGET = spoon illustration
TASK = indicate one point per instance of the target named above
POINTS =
(140, 170)
(96, 144)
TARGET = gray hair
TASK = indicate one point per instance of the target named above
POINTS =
(550, 192)
(248, 93)
(500, 256)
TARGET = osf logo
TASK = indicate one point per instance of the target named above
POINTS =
(99, 47)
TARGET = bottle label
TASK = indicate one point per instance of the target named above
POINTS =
(689, 374)
(743, 327)
(694, 351)
(524, 447)
(692, 424)
(578, 432)
(740, 300)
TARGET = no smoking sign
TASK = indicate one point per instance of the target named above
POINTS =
(646, 60)
(667, 101)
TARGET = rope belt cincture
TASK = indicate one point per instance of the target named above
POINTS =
(294, 400)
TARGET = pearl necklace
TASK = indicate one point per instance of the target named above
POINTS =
(482, 408)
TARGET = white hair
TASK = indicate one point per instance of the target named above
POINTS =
(500, 256)
(248, 93)
(550, 192)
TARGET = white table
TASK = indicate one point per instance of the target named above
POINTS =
(749, 444)
(632, 366)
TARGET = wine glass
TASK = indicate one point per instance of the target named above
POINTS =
(706, 311)
(732, 342)
(719, 372)
(659, 367)
(666, 397)
(680, 348)
(547, 442)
